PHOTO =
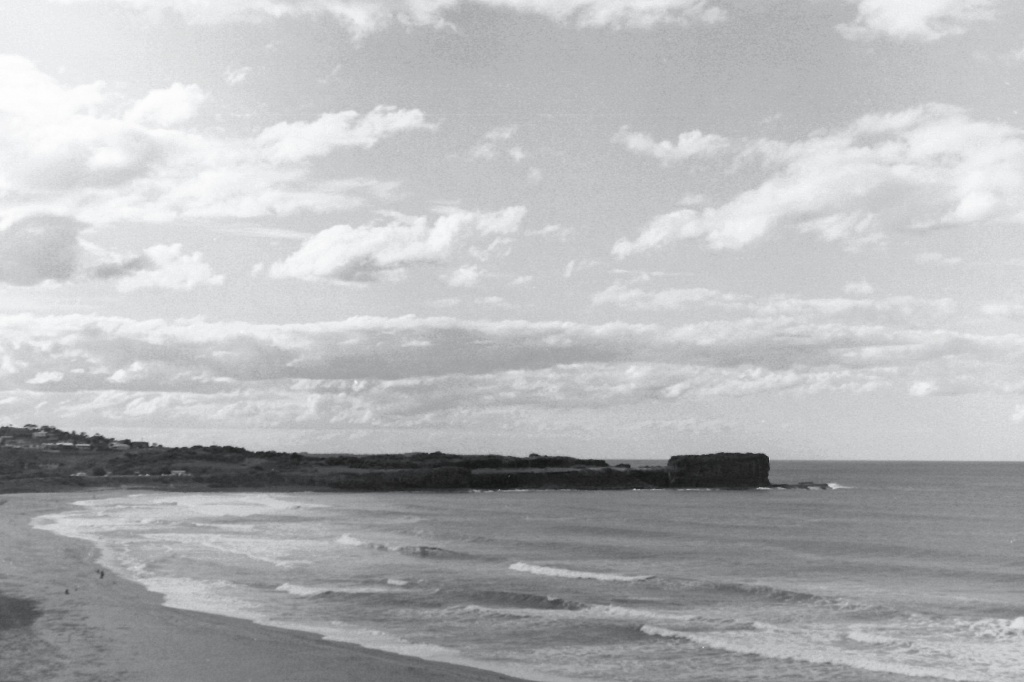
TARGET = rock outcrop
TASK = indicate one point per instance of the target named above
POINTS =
(720, 470)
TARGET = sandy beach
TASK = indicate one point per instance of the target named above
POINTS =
(62, 620)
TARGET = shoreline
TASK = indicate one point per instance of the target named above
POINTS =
(74, 622)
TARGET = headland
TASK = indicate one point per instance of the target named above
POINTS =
(45, 459)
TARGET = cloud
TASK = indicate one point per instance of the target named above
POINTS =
(936, 258)
(39, 249)
(218, 356)
(168, 107)
(921, 389)
(164, 266)
(298, 141)
(365, 16)
(862, 288)
(466, 276)
(46, 378)
(1003, 309)
(780, 307)
(921, 168)
(687, 146)
(915, 20)
(368, 253)
(84, 152)
(443, 372)
(487, 148)
(236, 75)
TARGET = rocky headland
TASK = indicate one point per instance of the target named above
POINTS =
(30, 463)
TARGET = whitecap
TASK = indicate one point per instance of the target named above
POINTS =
(554, 572)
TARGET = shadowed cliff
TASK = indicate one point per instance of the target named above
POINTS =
(226, 467)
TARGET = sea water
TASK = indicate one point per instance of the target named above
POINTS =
(900, 572)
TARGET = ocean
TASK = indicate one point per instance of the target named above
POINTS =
(902, 571)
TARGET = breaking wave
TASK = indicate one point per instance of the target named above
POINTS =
(553, 572)
(784, 596)
(424, 551)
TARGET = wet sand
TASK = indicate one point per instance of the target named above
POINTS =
(60, 621)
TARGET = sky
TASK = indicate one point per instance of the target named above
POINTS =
(598, 228)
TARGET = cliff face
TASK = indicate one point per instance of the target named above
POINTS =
(720, 470)
(213, 469)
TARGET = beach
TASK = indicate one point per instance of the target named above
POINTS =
(63, 617)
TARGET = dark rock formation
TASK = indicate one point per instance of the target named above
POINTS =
(720, 470)
(229, 467)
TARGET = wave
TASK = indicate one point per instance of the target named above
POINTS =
(425, 551)
(779, 644)
(782, 595)
(309, 591)
(524, 600)
(553, 572)
(997, 628)
(302, 590)
(862, 636)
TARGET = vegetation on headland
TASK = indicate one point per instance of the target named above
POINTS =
(44, 458)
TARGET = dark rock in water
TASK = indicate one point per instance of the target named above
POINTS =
(720, 470)
(803, 485)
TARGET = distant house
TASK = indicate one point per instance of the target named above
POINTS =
(120, 445)
(21, 443)
(179, 472)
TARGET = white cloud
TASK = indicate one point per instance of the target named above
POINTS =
(370, 252)
(466, 276)
(926, 167)
(167, 107)
(689, 145)
(667, 299)
(43, 248)
(861, 288)
(915, 19)
(365, 16)
(795, 309)
(166, 267)
(497, 141)
(935, 258)
(81, 151)
(921, 389)
(46, 378)
(412, 370)
(236, 75)
(1003, 309)
(298, 141)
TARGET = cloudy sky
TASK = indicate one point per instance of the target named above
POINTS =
(615, 228)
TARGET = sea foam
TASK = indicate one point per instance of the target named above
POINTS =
(554, 572)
